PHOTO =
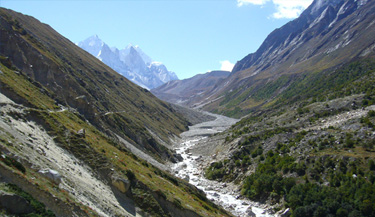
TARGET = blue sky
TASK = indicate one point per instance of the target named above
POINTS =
(188, 36)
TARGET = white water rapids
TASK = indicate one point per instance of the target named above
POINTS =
(189, 169)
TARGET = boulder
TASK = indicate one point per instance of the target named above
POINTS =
(53, 175)
(250, 213)
(283, 213)
(215, 195)
(186, 178)
(15, 204)
(82, 133)
(122, 184)
(178, 157)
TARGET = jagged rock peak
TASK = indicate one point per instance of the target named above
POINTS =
(93, 45)
(318, 5)
(131, 62)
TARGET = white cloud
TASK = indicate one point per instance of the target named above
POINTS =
(254, 2)
(226, 65)
(290, 8)
(285, 8)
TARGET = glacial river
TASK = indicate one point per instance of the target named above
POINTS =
(189, 169)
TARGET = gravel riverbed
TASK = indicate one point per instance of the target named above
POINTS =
(224, 194)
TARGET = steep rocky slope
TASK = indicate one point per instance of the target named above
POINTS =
(326, 36)
(186, 92)
(66, 122)
(311, 154)
(78, 80)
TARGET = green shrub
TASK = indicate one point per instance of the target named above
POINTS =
(13, 163)
(39, 208)
(371, 164)
(177, 203)
(130, 175)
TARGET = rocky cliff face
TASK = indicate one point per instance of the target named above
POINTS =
(130, 62)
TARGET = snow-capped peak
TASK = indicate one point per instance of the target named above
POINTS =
(129, 47)
(156, 63)
(93, 45)
(131, 62)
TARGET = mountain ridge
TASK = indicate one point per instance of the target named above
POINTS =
(181, 91)
(130, 62)
(325, 36)
(102, 96)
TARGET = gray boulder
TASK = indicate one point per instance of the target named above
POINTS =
(82, 133)
(122, 184)
(250, 213)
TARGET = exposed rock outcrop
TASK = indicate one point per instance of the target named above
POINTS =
(120, 183)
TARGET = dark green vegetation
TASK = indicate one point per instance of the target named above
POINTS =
(12, 162)
(64, 90)
(353, 78)
(313, 148)
(39, 208)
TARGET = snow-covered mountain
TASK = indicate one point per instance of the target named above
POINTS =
(131, 62)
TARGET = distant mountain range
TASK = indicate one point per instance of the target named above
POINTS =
(185, 92)
(130, 62)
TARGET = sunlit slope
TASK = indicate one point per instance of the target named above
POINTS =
(325, 37)
(54, 116)
(80, 81)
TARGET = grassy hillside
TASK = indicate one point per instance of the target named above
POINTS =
(78, 80)
(352, 78)
(307, 137)
(68, 106)
(149, 185)
(311, 148)
(310, 48)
